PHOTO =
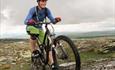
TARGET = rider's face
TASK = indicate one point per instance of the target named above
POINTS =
(42, 3)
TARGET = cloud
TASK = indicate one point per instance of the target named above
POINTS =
(104, 25)
(6, 13)
(13, 32)
(72, 11)
(6, 17)
(7, 27)
(19, 31)
(76, 11)
(18, 9)
(7, 22)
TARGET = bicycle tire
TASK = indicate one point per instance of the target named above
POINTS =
(73, 48)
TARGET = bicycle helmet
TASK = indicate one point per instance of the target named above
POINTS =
(41, 0)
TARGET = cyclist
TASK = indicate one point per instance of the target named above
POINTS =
(38, 14)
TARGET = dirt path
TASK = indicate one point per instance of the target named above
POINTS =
(100, 65)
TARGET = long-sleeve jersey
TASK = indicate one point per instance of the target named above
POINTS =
(39, 15)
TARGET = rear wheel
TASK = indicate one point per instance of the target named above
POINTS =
(67, 55)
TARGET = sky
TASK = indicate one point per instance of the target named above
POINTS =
(79, 15)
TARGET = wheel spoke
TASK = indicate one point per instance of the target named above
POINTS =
(67, 54)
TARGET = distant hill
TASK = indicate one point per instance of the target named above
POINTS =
(88, 34)
(70, 34)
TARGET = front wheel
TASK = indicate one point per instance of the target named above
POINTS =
(67, 55)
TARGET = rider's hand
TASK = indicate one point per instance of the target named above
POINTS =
(58, 19)
(31, 22)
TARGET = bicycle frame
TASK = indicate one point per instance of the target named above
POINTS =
(46, 45)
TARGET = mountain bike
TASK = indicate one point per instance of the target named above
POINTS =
(64, 52)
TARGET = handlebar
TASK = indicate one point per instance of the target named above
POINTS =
(46, 24)
(43, 23)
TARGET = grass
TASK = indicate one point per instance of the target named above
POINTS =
(25, 66)
(92, 56)
(86, 57)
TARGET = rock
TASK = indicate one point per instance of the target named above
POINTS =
(26, 54)
(2, 58)
(0, 65)
(106, 51)
(1, 50)
(112, 63)
(67, 66)
(6, 66)
(20, 42)
(113, 55)
(98, 45)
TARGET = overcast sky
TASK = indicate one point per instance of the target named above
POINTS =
(71, 11)
(13, 12)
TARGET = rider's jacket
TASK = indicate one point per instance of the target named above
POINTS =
(39, 15)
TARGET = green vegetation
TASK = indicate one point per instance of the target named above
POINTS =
(24, 66)
(93, 56)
